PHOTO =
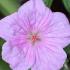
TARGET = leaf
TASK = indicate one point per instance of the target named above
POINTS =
(1, 43)
(48, 2)
(67, 5)
(67, 49)
(4, 66)
(65, 66)
(8, 6)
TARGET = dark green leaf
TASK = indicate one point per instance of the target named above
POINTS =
(8, 6)
(67, 5)
(4, 66)
(65, 66)
(67, 49)
(48, 2)
(1, 43)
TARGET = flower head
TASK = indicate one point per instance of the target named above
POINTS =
(35, 37)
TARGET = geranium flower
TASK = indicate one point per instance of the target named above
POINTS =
(35, 37)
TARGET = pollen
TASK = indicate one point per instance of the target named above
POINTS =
(33, 38)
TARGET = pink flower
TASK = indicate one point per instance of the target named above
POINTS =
(35, 37)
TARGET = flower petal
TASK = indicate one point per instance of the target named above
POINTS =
(18, 58)
(49, 57)
(5, 26)
(60, 42)
(32, 6)
(58, 31)
(28, 61)
(59, 26)
(38, 5)
(11, 55)
(29, 16)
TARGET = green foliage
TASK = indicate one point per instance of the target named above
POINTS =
(67, 49)
(67, 63)
(8, 6)
(48, 2)
(4, 66)
(1, 43)
(67, 5)
(65, 67)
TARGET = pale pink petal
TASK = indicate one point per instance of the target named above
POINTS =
(32, 6)
(43, 20)
(30, 14)
(49, 57)
(57, 32)
(39, 6)
(59, 26)
(60, 42)
(28, 60)
(5, 26)
(18, 58)
(11, 55)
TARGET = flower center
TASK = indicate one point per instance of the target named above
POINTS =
(33, 38)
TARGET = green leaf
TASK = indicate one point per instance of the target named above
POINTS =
(67, 49)
(8, 6)
(67, 5)
(65, 66)
(1, 43)
(4, 66)
(48, 2)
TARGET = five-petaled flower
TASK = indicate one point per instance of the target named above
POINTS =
(35, 37)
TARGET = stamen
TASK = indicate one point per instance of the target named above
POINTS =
(33, 38)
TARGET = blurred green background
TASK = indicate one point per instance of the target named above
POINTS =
(9, 6)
